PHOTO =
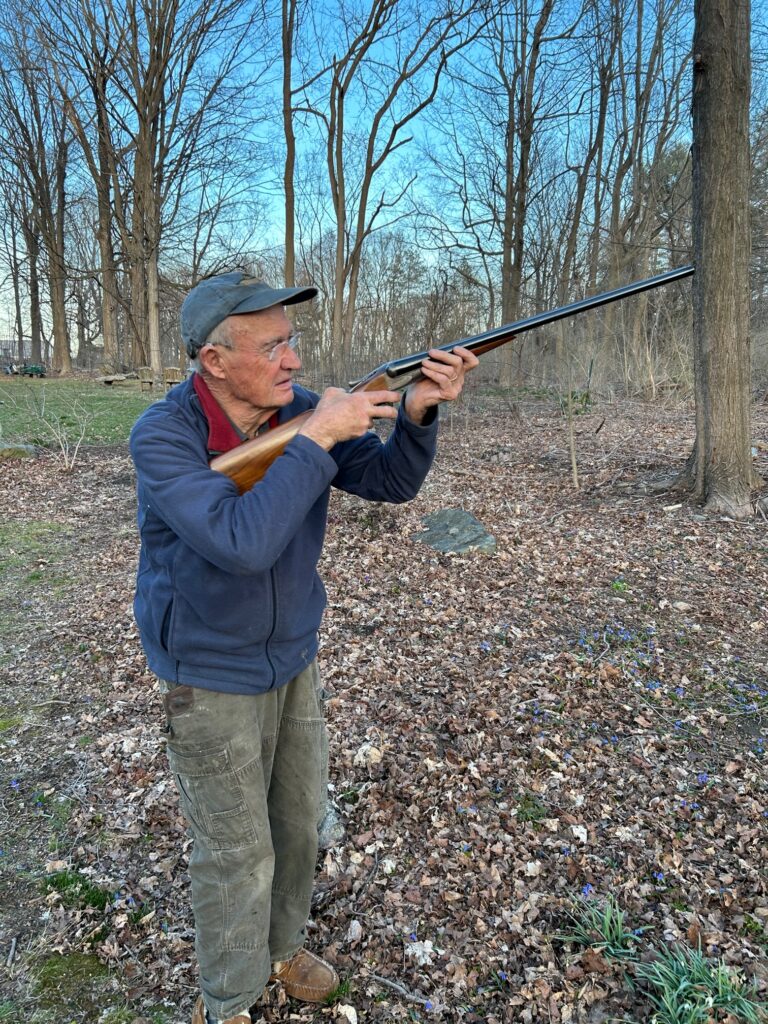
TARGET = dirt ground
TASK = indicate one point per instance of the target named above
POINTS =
(582, 713)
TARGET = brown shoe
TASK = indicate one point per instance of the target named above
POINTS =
(198, 1015)
(306, 977)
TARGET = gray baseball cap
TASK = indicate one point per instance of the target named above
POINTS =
(216, 298)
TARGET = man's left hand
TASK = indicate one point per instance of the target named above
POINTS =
(442, 381)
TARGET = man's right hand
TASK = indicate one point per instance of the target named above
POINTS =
(340, 416)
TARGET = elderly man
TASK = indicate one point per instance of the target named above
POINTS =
(228, 602)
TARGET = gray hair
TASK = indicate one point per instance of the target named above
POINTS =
(218, 336)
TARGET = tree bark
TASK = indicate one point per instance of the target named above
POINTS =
(722, 463)
(289, 170)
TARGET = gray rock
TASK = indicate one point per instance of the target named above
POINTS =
(455, 530)
(330, 831)
(17, 451)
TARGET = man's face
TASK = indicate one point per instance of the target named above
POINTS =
(245, 371)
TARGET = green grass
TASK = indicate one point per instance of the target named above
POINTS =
(76, 890)
(23, 547)
(530, 809)
(72, 986)
(24, 544)
(687, 988)
(342, 989)
(111, 411)
(602, 925)
(681, 984)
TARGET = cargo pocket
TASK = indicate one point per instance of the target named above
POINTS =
(212, 798)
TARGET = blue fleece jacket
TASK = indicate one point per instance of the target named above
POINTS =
(228, 596)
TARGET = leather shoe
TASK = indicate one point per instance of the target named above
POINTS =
(198, 1015)
(306, 977)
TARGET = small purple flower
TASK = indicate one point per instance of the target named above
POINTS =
(15, 783)
(679, 691)
(428, 1005)
(658, 876)
(587, 890)
(702, 778)
(412, 936)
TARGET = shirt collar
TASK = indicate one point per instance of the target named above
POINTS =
(223, 435)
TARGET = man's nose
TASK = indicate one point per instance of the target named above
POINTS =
(291, 359)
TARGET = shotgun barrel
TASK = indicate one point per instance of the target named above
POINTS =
(400, 369)
(248, 463)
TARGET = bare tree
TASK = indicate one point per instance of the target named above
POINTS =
(384, 74)
(149, 89)
(37, 142)
(82, 52)
(513, 112)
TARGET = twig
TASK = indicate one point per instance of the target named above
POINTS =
(366, 884)
(412, 997)
(12, 954)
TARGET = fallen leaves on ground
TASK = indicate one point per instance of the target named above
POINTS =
(582, 713)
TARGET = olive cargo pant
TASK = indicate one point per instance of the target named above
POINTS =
(252, 775)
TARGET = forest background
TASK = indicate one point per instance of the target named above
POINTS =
(435, 169)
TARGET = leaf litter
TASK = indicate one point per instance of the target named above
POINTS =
(581, 714)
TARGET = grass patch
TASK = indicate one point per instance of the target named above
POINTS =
(58, 811)
(602, 925)
(29, 555)
(7, 723)
(72, 986)
(530, 809)
(342, 989)
(681, 984)
(112, 411)
(687, 988)
(76, 890)
(24, 546)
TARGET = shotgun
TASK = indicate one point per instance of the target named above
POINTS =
(248, 463)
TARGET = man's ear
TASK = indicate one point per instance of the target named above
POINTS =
(211, 362)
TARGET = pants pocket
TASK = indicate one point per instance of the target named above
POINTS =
(212, 798)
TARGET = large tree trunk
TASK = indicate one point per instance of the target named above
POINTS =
(721, 240)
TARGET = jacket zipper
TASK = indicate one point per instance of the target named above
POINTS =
(273, 581)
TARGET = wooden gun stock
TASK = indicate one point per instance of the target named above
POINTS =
(248, 463)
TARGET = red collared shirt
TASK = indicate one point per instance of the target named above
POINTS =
(223, 435)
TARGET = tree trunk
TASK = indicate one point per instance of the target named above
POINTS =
(289, 18)
(35, 313)
(723, 473)
(57, 268)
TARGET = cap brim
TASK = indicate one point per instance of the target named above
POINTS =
(276, 297)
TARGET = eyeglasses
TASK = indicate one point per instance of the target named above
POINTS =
(270, 351)
(279, 347)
